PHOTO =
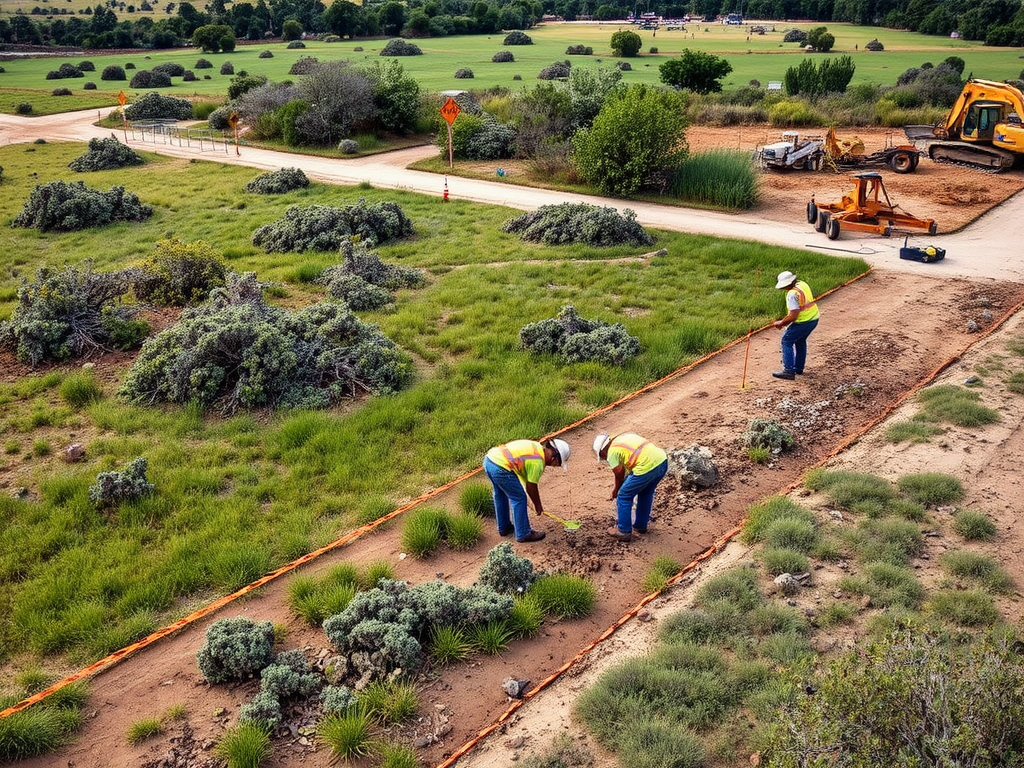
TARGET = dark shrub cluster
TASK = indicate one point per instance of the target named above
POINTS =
(170, 68)
(325, 228)
(129, 65)
(203, 64)
(365, 282)
(874, 45)
(62, 206)
(23, 108)
(218, 119)
(578, 340)
(400, 47)
(463, 73)
(61, 92)
(104, 155)
(266, 55)
(625, 66)
(227, 68)
(189, 76)
(236, 649)
(113, 72)
(65, 71)
(557, 71)
(147, 78)
(90, 86)
(304, 65)
(348, 146)
(795, 36)
(579, 50)
(87, 66)
(578, 223)
(63, 314)
(295, 44)
(179, 274)
(128, 484)
(154, 106)
(278, 182)
(237, 351)
(517, 37)
(382, 629)
(502, 56)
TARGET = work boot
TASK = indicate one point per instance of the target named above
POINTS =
(787, 375)
(615, 533)
(532, 536)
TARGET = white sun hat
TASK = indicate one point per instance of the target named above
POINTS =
(785, 279)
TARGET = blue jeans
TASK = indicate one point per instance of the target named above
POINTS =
(641, 488)
(507, 488)
(794, 345)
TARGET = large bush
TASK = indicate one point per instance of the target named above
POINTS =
(557, 71)
(179, 274)
(400, 47)
(637, 141)
(517, 37)
(239, 352)
(170, 68)
(65, 71)
(105, 155)
(278, 182)
(146, 78)
(325, 228)
(365, 282)
(113, 72)
(396, 96)
(64, 314)
(696, 71)
(576, 339)
(63, 206)
(154, 106)
(626, 43)
(578, 223)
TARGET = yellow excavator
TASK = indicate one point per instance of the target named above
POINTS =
(982, 130)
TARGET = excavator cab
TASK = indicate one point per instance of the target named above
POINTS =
(981, 120)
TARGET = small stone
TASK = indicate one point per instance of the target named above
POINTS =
(167, 682)
(787, 583)
(835, 514)
(422, 741)
(402, 556)
(88, 366)
(517, 743)
(644, 615)
(304, 741)
(74, 452)
(514, 688)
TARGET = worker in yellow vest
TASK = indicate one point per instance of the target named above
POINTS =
(802, 318)
(638, 465)
(514, 470)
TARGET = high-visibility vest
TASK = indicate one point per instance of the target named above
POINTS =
(808, 305)
(634, 450)
(516, 456)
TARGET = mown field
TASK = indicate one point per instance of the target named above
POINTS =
(761, 57)
(237, 495)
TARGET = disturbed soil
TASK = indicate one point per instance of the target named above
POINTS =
(879, 339)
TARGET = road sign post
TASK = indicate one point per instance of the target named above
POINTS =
(233, 122)
(121, 99)
(449, 111)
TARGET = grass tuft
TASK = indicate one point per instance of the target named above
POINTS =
(395, 755)
(973, 526)
(981, 569)
(779, 560)
(957, 405)
(477, 499)
(564, 595)
(491, 638)
(931, 488)
(912, 432)
(347, 734)
(389, 702)
(423, 530)
(965, 608)
(662, 569)
(448, 644)
(246, 745)
(526, 616)
(464, 530)
(143, 729)
(80, 389)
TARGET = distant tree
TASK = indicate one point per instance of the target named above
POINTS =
(695, 71)
(210, 37)
(626, 43)
(637, 141)
(821, 39)
(291, 30)
(338, 96)
(396, 96)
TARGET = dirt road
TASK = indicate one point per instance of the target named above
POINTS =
(879, 338)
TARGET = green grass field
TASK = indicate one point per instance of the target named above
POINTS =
(237, 496)
(763, 58)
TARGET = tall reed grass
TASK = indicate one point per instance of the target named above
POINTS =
(721, 178)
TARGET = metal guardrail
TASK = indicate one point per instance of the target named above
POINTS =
(169, 132)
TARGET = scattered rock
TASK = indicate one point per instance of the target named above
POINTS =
(693, 466)
(644, 615)
(515, 688)
(787, 583)
(74, 452)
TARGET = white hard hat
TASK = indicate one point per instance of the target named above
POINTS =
(563, 450)
(785, 279)
(599, 443)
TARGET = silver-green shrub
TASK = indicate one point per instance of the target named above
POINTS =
(236, 649)
(337, 698)
(576, 339)
(325, 228)
(104, 155)
(767, 433)
(153, 106)
(264, 710)
(578, 223)
(278, 182)
(62, 206)
(506, 572)
(240, 352)
(112, 488)
(360, 261)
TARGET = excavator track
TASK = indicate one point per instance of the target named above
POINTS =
(987, 159)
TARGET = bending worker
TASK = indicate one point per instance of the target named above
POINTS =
(638, 466)
(514, 470)
(802, 318)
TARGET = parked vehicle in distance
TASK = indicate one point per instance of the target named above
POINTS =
(733, 19)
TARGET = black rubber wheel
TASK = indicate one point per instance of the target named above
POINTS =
(822, 221)
(832, 229)
(812, 212)
(814, 163)
(933, 228)
(917, 159)
(902, 162)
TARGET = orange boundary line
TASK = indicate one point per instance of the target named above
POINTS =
(714, 548)
(206, 610)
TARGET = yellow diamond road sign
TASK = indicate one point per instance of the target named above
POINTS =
(121, 98)
(450, 110)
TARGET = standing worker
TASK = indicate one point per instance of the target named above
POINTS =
(514, 470)
(638, 465)
(802, 319)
